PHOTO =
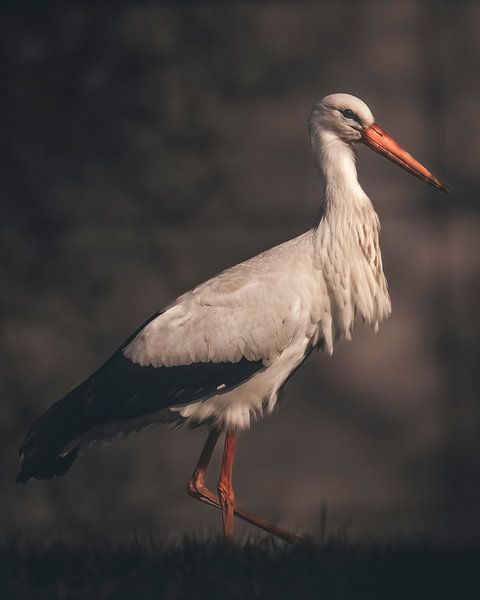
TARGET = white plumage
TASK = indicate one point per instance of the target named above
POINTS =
(281, 303)
(221, 352)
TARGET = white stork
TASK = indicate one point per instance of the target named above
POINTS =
(220, 353)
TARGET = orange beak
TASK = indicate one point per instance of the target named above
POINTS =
(378, 140)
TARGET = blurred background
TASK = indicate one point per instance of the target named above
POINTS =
(146, 146)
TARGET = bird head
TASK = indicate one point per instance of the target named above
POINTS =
(347, 118)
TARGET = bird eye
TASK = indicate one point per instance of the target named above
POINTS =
(349, 114)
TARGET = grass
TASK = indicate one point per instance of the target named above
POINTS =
(335, 569)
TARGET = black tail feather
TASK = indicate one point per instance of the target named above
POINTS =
(47, 470)
(120, 390)
(50, 433)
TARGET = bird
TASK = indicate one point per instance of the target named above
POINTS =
(219, 354)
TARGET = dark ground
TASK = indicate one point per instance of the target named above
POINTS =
(337, 569)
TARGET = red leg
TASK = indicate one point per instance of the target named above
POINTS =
(225, 488)
(198, 490)
(196, 486)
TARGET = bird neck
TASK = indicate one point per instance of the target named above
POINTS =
(346, 240)
(348, 218)
(343, 194)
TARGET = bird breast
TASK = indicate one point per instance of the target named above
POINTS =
(350, 273)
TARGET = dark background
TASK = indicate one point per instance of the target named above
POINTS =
(146, 146)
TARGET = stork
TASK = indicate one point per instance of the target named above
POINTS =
(220, 353)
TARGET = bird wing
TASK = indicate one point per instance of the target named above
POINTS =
(243, 313)
(208, 341)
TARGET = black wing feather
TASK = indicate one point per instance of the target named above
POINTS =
(120, 389)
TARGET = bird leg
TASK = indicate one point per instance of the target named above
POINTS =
(197, 489)
(225, 487)
(196, 486)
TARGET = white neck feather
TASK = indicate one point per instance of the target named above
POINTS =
(336, 163)
(347, 240)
